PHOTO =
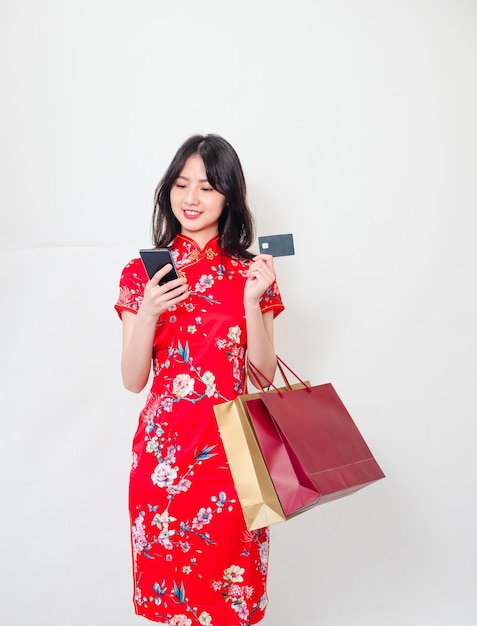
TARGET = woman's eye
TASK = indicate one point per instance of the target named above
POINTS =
(207, 189)
(180, 185)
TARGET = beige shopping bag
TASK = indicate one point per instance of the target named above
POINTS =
(255, 490)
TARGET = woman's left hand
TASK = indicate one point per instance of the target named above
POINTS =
(261, 275)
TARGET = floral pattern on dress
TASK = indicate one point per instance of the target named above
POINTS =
(194, 560)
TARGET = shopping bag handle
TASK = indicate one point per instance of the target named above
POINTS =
(281, 366)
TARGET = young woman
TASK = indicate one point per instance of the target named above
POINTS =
(195, 562)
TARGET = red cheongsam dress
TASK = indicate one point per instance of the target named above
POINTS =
(194, 560)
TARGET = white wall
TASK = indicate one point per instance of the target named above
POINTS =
(356, 125)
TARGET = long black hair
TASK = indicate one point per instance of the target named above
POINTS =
(225, 174)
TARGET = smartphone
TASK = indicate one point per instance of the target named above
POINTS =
(156, 258)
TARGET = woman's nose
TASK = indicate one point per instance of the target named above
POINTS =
(191, 197)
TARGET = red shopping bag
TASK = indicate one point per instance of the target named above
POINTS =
(264, 500)
(295, 490)
(310, 425)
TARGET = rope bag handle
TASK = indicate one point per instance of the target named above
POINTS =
(282, 366)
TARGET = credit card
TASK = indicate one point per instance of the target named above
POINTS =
(277, 245)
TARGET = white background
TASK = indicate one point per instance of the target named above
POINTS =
(356, 125)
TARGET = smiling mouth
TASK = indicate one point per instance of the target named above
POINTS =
(191, 213)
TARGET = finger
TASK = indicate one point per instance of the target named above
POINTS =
(159, 275)
(264, 260)
(177, 282)
(178, 295)
(263, 256)
(169, 293)
(168, 285)
(267, 258)
(176, 287)
(263, 270)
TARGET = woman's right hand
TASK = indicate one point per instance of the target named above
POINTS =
(158, 298)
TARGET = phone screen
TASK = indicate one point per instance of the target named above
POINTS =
(156, 258)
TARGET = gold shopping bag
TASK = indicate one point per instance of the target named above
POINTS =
(255, 490)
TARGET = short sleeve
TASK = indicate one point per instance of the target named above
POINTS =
(271, 300)
(131, 287)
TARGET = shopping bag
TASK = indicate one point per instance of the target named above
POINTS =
(295, 489)
(269, 491)
(318, 434)
(256, 493)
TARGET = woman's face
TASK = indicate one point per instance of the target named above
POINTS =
(195, 203)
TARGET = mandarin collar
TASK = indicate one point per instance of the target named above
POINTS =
(213, 243)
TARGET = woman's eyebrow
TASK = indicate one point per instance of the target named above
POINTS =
(201, 180)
